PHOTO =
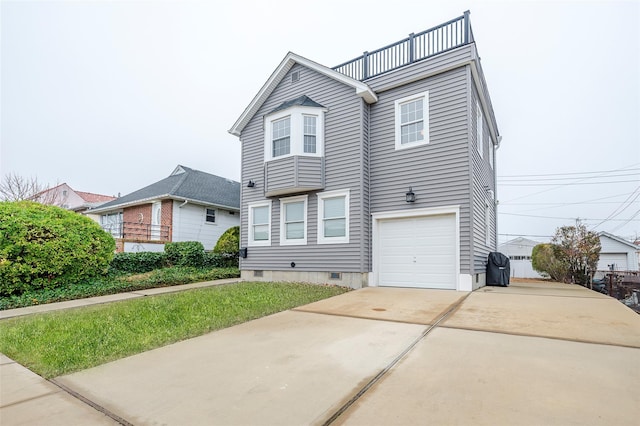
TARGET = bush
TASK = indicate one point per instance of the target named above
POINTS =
(219, 260)
(45, 246)
(186, 253)
(229, 242)
(228, 248)
(546, 261)
(137, 263)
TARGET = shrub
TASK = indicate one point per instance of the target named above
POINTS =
(220, 260)
(228, 248)
(45, 246)
(137, 263)
(185, 253)
(229, 242)
(545, 260)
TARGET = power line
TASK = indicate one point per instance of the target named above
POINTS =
(564, 218)
(557, 187)
(567, 184)
(518, 179)
(628, 168)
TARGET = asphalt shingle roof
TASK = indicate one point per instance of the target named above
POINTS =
(186, 183)
(303, 100)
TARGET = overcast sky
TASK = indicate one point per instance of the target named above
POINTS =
(109, 96)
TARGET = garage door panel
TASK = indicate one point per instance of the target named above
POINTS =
(418, 252)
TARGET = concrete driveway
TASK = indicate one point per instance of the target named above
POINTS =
(528, 354)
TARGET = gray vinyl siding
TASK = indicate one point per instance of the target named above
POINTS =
(439, 171)
(294, 174)
(483, 180)
(343, 168)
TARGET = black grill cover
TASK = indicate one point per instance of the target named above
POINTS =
(498, 269)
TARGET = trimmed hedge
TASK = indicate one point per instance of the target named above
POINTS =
(185, 253)
(137, 263)
(45, 246)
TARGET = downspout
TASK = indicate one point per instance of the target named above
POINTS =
(183, 204)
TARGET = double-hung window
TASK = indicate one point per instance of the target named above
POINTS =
(479, 125)
(210, 216)
(310, 133)
(333, 217)
(293, 220)
(412, 121)
(281, 137)
(260, 223)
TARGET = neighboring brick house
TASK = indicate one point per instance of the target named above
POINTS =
(188, 205)
(66, 197)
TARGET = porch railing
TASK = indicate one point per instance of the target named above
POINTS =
(454, 33)
(138, 231)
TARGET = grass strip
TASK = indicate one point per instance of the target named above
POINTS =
(63, 342)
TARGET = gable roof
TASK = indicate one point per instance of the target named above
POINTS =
(362, 90)
(186, 184)
(92, 198)
(520, 241)
(618, 239)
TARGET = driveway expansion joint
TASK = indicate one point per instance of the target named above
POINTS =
(91, 403)
(396, 360)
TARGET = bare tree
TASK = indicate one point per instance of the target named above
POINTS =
(14, 187)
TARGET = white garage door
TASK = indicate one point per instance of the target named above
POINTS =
(619, 259)
(418, 252)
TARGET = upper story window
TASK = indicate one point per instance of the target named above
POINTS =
(295, 128)
(479, 125)
(260, 223)
(412, 120)
(281, 137)
(333, 217)
(310, 134)
(293, 220)
(210, 215)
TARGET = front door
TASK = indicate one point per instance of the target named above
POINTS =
(156, 220)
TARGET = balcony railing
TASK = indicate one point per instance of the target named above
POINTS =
(138, 231)
(416, 47)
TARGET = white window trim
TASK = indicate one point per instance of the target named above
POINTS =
(250, 207)
(215, 216)
(296, 135)
(330, 194)
(425, 108)
(479, 130)
(283, 235)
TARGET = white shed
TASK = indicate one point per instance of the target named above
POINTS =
(620, 253)
(519, 252)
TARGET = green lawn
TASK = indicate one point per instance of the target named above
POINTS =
(62, 342)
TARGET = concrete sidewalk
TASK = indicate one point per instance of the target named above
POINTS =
(528, 354)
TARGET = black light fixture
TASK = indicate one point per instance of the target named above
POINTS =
(251, 184)
(411, 197)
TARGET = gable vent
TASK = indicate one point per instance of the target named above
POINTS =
(295, 76)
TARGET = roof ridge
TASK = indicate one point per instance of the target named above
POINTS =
(183, 177)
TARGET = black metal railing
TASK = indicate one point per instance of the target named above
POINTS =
(138, 231)
(454, 33)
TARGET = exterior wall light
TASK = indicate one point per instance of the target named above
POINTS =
(251, 184)
(411, 197)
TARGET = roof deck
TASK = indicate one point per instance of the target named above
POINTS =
(417, 47)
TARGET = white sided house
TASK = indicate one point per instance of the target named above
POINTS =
(617, 254)
(377, 172)
(519, 252)
(188, 205)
